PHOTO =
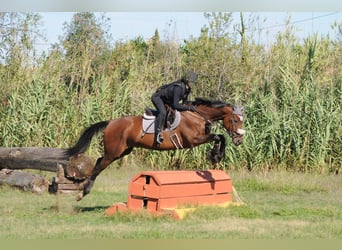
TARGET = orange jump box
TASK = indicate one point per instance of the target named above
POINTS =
(161, 191)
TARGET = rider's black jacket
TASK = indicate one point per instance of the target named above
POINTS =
(173, 93)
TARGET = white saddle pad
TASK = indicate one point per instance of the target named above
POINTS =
(148, 123)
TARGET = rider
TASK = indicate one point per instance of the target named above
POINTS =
(171, 94)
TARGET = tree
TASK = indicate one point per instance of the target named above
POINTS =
(85, 44)
(219, 24)
(18, 34)
(211, 55)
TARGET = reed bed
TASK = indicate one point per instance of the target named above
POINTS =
(292, 93)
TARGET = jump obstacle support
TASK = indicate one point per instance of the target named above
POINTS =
(176, 192)
(60, 184)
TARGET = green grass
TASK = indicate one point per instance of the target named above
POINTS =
(278, 205)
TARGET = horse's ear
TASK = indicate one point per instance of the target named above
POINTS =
(238, 110)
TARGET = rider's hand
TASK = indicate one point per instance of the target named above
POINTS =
(192, 108)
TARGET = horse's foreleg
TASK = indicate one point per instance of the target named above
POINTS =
(208, 138)
(218, 151)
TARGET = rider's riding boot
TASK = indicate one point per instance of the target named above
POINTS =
(158, 138)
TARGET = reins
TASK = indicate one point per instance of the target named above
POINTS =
(204, 119)
(211, 122)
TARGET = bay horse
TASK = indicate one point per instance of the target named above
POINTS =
(121, 135)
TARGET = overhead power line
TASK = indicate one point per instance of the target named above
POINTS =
(296, 21)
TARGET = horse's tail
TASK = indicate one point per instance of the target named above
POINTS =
(84, 141)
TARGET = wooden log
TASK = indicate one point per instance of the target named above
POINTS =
(46, 159)
(73, 186)
(32, 158)
(24, 181)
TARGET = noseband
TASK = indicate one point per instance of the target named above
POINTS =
(238, 111)
(236, 133)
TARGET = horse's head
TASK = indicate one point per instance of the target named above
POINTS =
(232, 117)
(233, 124)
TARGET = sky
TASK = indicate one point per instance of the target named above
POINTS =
(182, 25)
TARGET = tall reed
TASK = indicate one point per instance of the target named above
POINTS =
(292, 93)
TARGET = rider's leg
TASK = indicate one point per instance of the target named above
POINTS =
(160, 119)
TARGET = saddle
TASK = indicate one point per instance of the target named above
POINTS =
(173, 118)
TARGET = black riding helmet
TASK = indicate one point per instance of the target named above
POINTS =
(190, 76)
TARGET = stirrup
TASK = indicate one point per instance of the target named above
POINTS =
(159, 138)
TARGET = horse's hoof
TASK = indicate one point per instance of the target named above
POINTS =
(79, 196)
(87, 185)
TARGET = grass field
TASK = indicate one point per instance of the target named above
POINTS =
(278, 205)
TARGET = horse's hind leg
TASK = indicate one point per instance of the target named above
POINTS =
(101, 164)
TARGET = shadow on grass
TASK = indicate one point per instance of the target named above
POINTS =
(90, 209)
(76, 209)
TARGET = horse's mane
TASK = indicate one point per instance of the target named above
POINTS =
(209, 103)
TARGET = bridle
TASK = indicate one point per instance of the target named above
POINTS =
(234, 132)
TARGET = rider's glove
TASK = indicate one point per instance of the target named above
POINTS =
(192, 108)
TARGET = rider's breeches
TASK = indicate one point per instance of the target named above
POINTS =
(160, 119)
